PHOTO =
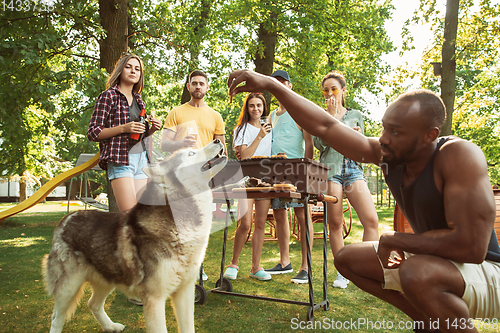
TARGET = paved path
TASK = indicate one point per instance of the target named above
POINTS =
(50, 206)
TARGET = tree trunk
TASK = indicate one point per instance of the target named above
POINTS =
(448, 62)
(22, 187)
(186, 96)
(264, 57)
(114, 19)
(130, 30)
(195, 47)
(112, 204)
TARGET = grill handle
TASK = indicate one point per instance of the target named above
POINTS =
(327, 198)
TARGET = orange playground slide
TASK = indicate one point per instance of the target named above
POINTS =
(48, 187)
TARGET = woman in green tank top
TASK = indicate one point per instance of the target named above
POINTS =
(345, 175)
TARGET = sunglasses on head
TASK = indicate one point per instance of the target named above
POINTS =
(334, 90)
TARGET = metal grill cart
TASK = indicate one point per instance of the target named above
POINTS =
(310, 179)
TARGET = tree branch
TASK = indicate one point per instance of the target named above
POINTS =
(85, 56)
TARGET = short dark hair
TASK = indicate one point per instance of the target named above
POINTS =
(431, 105)
(197, 73)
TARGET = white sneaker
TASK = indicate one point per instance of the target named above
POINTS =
(340, 282)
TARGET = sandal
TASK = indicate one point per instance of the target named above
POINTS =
(231, 273)
(261, 275)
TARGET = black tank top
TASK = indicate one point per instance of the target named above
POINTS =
(422, 204)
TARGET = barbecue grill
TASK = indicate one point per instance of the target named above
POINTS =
(308, 176)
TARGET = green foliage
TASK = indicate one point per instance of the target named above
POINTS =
(476, 114)
(39, 63)
(50, 62)
(314, 37)
(477, 119)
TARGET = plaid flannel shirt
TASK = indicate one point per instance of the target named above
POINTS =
(111, 109)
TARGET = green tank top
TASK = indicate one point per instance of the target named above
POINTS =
(287, 138)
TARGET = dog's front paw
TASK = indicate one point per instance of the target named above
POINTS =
(114, 327)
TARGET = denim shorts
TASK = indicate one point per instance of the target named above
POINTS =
(277, 203)
(350, 173)
(133, 170)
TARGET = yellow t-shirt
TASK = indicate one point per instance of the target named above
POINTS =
(208, 122)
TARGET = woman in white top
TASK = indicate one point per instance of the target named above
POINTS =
(251, 139)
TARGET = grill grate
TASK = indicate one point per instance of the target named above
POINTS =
(310, 177)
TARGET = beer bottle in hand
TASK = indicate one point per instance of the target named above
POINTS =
(136, 137)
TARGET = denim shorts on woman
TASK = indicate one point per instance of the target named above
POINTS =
(277, 203)
(133, 170)
(350, 173)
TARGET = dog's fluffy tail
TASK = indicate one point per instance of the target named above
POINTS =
(53, 277)
(48, 286)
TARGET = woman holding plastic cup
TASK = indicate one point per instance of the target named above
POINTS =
(251, 138)
(344, 175)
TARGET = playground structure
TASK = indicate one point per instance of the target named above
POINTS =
(48, 187)
(84, 182)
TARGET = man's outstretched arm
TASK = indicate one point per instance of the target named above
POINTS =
(309, 116)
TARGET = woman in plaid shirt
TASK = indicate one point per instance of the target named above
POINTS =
(111, 125)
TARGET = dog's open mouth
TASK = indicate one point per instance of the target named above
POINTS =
(214, 161)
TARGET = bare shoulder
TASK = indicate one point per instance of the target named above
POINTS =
(462, 177)
(460, 153)
(461, 161)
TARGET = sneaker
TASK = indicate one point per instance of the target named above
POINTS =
(135, 301)
(231, 273)
(340, 282)
(261, 275)
(280, 270)
(203, 275)
(301, 277)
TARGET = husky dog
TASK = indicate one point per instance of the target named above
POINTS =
(152, 252)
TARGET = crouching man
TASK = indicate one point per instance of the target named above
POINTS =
(448, 272)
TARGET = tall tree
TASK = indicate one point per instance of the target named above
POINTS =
(267, 38)
(476, 112)
(309, 38)
(448, 62)
(51, 60)
(50, 66)
(35, 72)
(114, 20)
(200, 19)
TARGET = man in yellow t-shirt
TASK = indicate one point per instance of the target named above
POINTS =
(193, 124)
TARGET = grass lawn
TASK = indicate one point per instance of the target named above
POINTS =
(25, 306)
